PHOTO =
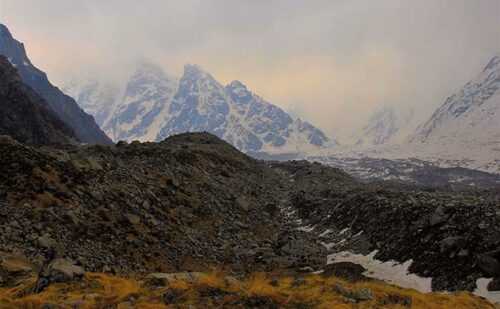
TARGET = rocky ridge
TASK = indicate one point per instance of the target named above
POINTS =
(412, 172)
(25, 115)
(62, 105)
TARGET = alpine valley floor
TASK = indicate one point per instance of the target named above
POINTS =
(193, 221)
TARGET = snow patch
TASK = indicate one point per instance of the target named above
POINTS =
(391, 272)
(482, 290)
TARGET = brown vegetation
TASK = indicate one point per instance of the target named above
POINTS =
(216, 290)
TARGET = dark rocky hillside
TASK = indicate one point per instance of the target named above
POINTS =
(24, 115)
(193, 201)
(187, 203)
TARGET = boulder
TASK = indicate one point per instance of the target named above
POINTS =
(14, 264)
(489, 264)
(62, 270)
(345, 270)
(164, 279)
(46, 241)
(14, 268)
(439, 216)
(452, 242)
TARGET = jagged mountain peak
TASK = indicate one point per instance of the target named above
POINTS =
(142, 105)
(13, 49)
(195, 71)
(156, 106)
(196, 80)
(148, 72)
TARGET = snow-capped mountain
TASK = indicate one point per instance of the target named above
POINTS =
(470, 117)
(154, 105)
(236, 115)
(386, 125)
(143, 107)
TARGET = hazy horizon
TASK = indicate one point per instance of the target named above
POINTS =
(329, 62)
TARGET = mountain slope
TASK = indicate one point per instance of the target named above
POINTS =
(270, 124)
(469, 117)
(154, 106)
(135, 115)
(24, 115)
(94, 97)
(386, 125)
(65, 107)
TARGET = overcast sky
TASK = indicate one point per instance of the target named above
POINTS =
(330, 61)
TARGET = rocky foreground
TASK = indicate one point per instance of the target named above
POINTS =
(193, 202)
(452, 237)
(188, 203)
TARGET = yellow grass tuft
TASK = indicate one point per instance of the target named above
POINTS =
(217, 289)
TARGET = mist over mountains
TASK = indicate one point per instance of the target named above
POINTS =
(153, 105)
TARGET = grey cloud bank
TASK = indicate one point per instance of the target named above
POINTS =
(332, 62)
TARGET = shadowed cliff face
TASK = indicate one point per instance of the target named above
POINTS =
(63, 106)
(24, 115)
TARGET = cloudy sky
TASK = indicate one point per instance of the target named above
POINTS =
(330, 61)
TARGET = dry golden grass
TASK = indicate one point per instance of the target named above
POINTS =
(216, 290)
